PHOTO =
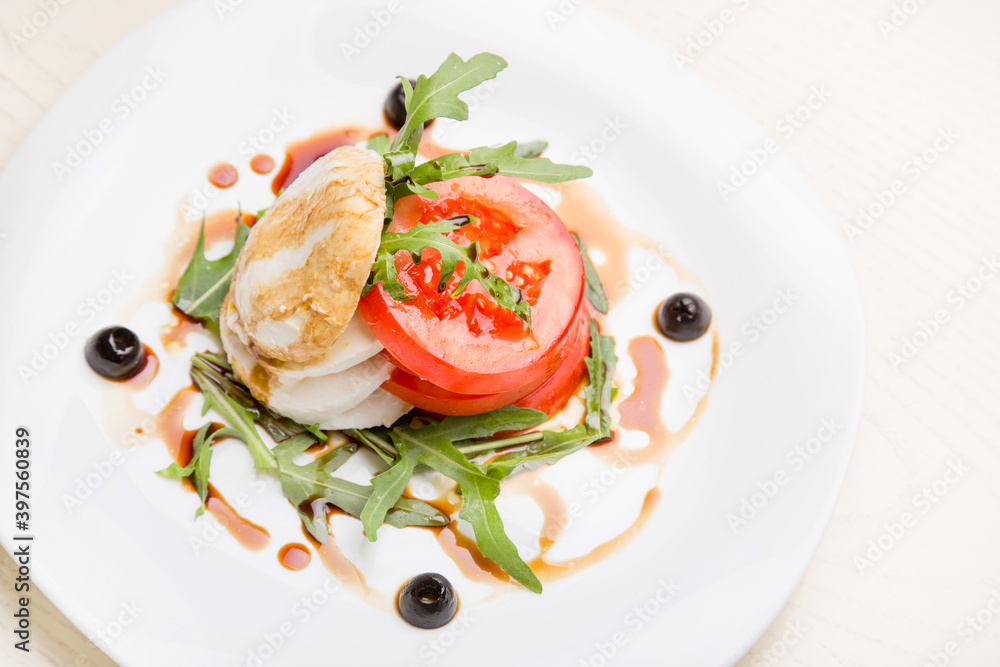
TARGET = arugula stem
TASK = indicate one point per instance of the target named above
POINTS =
(215, 359)
(383, 449)
(501, 443)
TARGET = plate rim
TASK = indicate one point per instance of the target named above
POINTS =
(70, 607)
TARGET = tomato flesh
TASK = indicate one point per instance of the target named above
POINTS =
(433, 398)
(468, 344)
(553, 394)
(549, 397)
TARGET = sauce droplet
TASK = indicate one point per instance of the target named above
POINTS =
(250, 536)
(641, 410)
(223, 175)
(262, 164)
(148, 371)
(294, 557)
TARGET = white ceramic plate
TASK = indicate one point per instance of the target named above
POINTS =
(191, 88)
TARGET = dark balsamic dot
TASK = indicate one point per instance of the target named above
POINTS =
(683, 317)
(115, 353)
(427, 601)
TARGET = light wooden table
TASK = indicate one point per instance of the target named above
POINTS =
(886, 79)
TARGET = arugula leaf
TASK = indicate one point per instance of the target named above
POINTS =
(387, 489)
(478, 492)
(382, 449)
(389, 485)
(487, 161)
(398, 164)
(311, 486)
(594, 288)
(197, 469)
(204, 283)
(436, 96)
(379, 143)
(601, 368)
(554, 445)
(432, 446)
(433, 235)
(433, 97)
(307, 486)
(530, 149)
(479, 509)
(277, 426)
(472, 427)
(235, 415)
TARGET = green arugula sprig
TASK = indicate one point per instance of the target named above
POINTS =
(309, 487)
(432, 446)
(407, 442)
(213, 370)
(594, 290)
(446, 446)
(433, 236)
(197, 469)
(437, 96)
(204, 283)
(484, 161)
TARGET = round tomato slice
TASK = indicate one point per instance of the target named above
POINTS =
(433, 398)
(549, 397)
(468, 344)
